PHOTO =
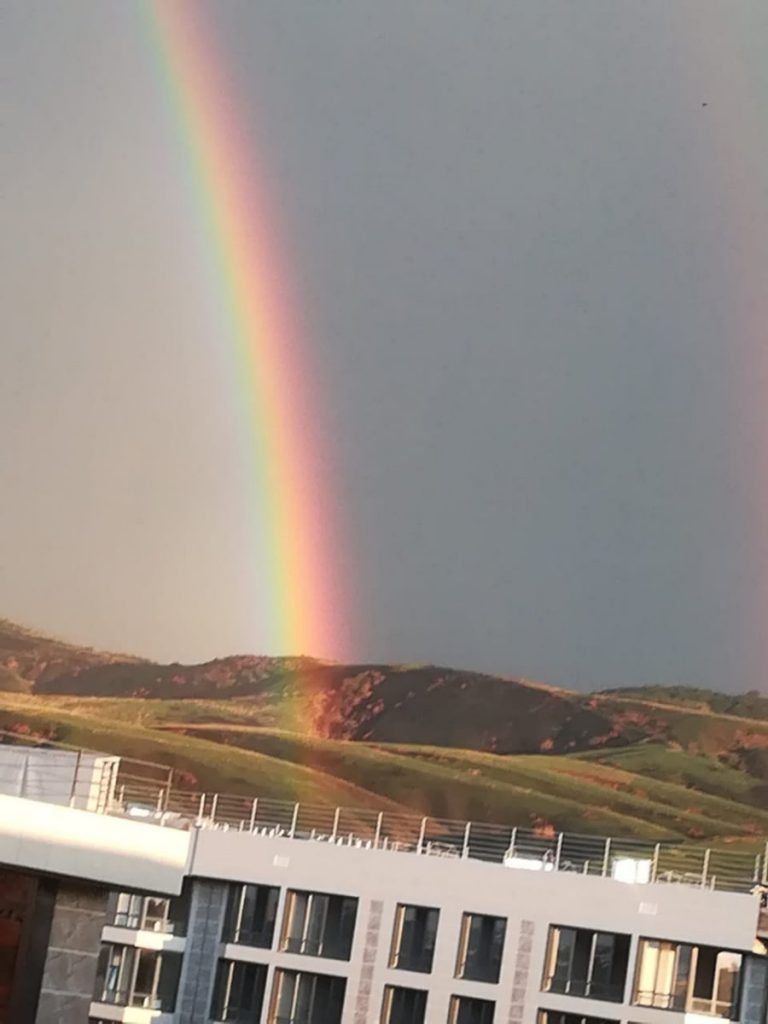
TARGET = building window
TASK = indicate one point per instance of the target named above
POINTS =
(413, 938)
(127, 976)
(251, 915)
(238, 995)
(319, 924)
(151, 913)
(470, 1011)
(403, 1005)
(302, 998)
(480, 947)
(558, 1017)
(679, 976)
(581, 962)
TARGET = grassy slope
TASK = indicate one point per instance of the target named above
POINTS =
(448, 790)
(416, 704)
(215, 768)
(694, 729)
(690, 771)
(751, 705)
(574, 793)
(650, 763)
(644, 797)
(10, 682)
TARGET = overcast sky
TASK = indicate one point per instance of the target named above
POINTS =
(529, 242)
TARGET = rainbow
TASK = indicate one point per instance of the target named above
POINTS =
(298, 561)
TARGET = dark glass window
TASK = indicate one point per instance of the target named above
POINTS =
(481, 944)
(239, 992)
(299, 997)
(319, 924)
(251, 915)
(559, 1017)
(581, 962)
(413, 938)
(465, 1010)
(403, 1005)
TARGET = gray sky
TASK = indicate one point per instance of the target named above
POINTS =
(529, 240)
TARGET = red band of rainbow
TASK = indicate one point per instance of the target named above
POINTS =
(295, 509)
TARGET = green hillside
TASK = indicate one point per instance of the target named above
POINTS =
(653, 764)
(573, 793)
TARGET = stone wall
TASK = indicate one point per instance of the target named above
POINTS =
(198, 975)
(69, 972)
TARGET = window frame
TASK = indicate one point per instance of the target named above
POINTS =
(220, 1010)
(398, 927)
(388, 996)
(454, 1007)
(462, 953)
(233, 930)
(281, 974)
(289, 942)
(613, 993)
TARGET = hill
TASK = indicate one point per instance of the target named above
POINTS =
(37, 658)
(389, 703)
(650, 762)
(742, 705)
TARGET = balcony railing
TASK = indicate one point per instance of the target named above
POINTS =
(679, 1002)
(332, 949)
(139, 922)
(150, 792)
(127, 997)
(260, 938)
(660, 1000)
(587, 987)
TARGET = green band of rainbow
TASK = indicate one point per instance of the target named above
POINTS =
(295, 513)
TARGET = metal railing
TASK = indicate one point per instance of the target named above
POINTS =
(568, 985)
(149, 792)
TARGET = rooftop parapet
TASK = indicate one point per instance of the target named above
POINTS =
(148, 793)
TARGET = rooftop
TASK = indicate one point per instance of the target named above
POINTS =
(141, 791)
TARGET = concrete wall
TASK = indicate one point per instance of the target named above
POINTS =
(69, 972)
(531, 902)
(115, 852)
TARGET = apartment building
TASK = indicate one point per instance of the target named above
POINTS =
(125, 899)
(281, 930)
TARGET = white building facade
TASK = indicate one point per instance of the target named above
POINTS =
(271, 929)
(154, 905)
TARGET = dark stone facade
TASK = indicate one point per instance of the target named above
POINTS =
(69, 971)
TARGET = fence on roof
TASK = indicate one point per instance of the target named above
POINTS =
(123, 787)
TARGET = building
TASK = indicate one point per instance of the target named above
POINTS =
(227, 909)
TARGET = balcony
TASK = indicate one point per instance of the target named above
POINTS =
(137, 978)
(163, 916)
(130, 997)
(701, 980)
